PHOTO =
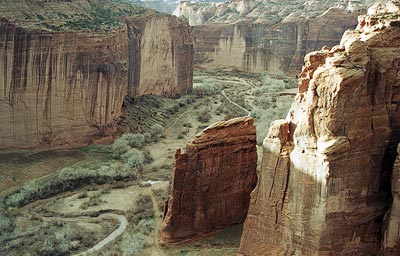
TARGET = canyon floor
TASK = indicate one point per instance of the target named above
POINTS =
(122, 216)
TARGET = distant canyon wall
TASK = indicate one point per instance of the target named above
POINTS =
(63, 89)
(257, 47)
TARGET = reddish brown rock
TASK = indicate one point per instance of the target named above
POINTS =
(324, 187)
(212, 181)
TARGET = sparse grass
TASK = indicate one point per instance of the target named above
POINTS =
(144, 210)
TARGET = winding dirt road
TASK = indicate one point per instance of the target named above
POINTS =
(157, 221)
(123, 223)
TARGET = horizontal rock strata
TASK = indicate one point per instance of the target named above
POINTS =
(66, 88)
(262, 47)
(212, 181)
(325, 184)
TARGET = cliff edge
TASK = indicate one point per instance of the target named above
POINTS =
(64, 75)
(325, 186)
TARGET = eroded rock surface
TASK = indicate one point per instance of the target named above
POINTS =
(212, 181)
(264, 47)
(324, 187)
(391, 243)
(63, 85)
(273, 36)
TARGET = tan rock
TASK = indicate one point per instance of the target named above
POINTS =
(251, 47)
(64, 89)
(326, 190)
(212, 181)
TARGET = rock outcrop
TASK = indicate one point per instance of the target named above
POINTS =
(63, 84)
(212, 181)
(273, 36)
(324, 187)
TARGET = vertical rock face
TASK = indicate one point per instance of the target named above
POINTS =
(58, 88)
(66, 88)
(324, 187)
(212, 180)
(391, 243)
(252, 47)
(164, 63)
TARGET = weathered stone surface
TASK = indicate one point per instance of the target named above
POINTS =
(264, 47)
(273, 36)
(324, 187)
(391, 243)
(66, 88)
(212, 181)
(164, 65)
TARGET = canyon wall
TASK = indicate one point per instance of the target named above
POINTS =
(325, 186)
(391, 243)
(258, 47)
(160, 55)
(212, 181)
(66, 88)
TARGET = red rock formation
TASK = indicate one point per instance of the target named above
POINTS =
(212, 180)
(324, 187)
(62, 89)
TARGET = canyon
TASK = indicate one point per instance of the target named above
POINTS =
(272, 36)
(329, 178)
(212, 181)
(325, 180)
(63, 84)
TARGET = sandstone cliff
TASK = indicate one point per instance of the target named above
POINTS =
(391, 243)
(274, 36)
(261, 47)
(325, 187)
(64, 77)
(212, 181)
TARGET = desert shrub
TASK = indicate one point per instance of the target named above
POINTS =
(144, 210)
(273, 85)
(207, 88)
(120, 147)
(131, 244)
(133, 158)
(187, 124)
(148, 158)
(256, 114)
(263, 102)
(68, 178)
(135, 140)
(204, 115)
(260, 137)
(148, 137)
(7, 224)
(54, 246)
(157, 130)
